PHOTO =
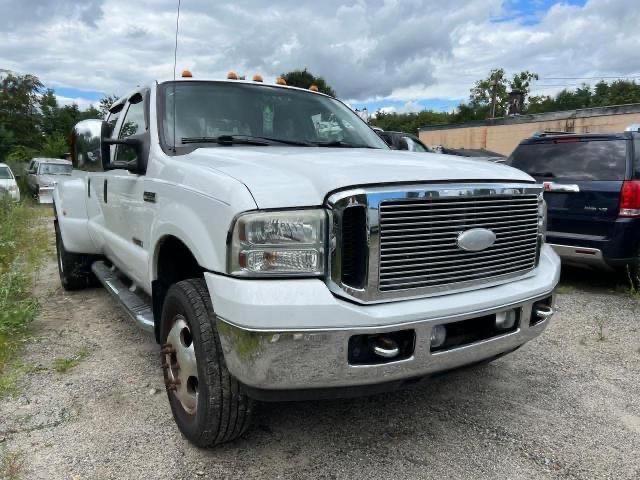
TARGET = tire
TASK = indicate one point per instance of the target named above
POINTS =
(74, 268)
(211, 409)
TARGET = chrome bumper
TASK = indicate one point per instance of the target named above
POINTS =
(45, 194)
(309, 358)
(579, 255)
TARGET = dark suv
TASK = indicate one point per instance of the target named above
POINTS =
(592, 190)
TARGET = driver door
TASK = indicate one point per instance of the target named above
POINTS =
(122, 197)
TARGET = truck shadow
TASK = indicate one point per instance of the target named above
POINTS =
(592, 280)
(482, 401)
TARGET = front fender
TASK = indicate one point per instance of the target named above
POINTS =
(70, 208)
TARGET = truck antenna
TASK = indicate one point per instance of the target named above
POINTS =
(175, 62)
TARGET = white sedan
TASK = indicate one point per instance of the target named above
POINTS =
(8, 184)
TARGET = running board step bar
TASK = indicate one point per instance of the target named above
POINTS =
(137, 305)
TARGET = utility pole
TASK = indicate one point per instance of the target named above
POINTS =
(494, 86)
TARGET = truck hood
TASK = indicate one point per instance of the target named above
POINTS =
(299, 176)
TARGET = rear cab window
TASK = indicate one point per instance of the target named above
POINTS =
(573, 158)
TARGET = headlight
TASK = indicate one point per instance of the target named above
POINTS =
(13, 188)
(278, 243)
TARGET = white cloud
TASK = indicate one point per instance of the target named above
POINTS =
(82, 103)
(367, 49)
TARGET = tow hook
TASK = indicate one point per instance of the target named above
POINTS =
(385, 347)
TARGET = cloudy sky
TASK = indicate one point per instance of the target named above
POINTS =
(397, 54)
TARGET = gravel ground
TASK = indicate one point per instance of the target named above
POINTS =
(566, 405)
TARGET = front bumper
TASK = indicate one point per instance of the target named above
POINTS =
(45, 194)
(294, 334)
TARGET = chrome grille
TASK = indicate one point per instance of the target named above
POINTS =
(418, 240)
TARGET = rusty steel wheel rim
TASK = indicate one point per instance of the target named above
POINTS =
(181, 367)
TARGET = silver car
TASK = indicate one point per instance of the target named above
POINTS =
(43, 174)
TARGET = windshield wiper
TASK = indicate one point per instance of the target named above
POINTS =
(341, 144)
(243, 140)
(224, 140)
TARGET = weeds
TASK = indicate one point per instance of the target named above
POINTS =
(23, 245)
(565, 288)
(600, 334)
(11, 465)
(63, 365)
(633, 290)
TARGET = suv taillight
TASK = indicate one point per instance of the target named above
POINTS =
(630, 199)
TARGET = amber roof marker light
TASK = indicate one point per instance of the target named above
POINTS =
(281, 81)
(232, 75)
(257, 78)
(187, 74)
(314, 88)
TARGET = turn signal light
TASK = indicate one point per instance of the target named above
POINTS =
(630, 199)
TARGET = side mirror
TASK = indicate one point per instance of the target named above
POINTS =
(130, 157)
(86, 143)
(91, 148)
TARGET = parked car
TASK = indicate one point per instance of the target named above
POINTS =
(592, 190)
(403, 141)
(272, 264)
(8, 184)
(43, 174)
(477, 153)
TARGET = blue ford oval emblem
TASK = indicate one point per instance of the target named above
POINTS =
(476, 239)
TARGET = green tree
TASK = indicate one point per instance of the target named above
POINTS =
(105, 105)
(489, 90)
(54, 146)
(19, 109)
(49, 111)
(495, 88)
(408, 122)
(304, 79)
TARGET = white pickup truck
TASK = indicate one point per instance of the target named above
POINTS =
(274, 259)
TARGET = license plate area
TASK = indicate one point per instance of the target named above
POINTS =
(473, 330)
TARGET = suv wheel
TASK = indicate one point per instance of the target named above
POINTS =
(75, 269)
(206, 401)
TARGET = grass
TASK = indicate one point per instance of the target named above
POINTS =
(23, 246)
(63, 365)
(11, 465)
(565, 288)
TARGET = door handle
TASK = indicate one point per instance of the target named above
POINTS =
(105, 190)
(559, 187)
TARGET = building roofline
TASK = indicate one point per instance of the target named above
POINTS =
(540, 117)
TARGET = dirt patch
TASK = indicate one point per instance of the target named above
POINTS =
(566, 405)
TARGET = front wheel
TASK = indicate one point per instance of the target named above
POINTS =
(206, 401)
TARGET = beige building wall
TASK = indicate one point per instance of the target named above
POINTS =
(506, 137)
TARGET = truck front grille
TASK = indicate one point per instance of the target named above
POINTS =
(418, 240)
(393, 244)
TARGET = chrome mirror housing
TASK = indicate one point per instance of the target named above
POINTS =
(87, 145)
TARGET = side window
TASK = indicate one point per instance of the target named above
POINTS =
(32, 166)
(132, 124)
(112, 119)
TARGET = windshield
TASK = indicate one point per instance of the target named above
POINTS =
(206, 111)
(5, 173)
(573, 160)
(54, 169)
